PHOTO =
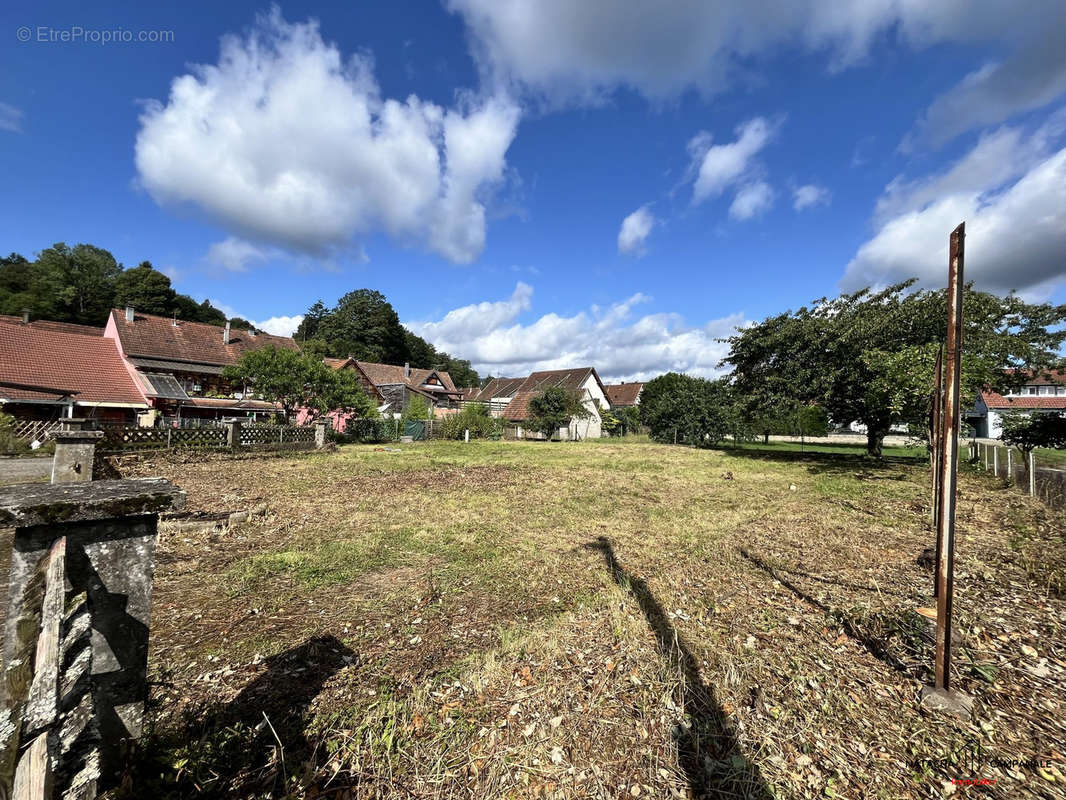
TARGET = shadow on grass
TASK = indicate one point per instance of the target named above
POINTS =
(821, 462)
(874, 632)
(708, 750)
(252, 745)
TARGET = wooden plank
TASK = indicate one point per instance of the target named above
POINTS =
(33, 779)
(41, 702)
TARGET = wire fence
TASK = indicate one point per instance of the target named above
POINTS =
(1040, 474)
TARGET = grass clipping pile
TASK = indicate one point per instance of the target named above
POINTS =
(597, 620)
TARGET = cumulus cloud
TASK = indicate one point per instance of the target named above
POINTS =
(619, 345)
(635, 230)
(278, 325)
(287, 143)
(810, 195)
(1012, 195)
(719, 166)
(234, 254)
(752, 199)
(10, 118)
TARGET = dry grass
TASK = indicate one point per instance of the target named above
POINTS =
(599, 619)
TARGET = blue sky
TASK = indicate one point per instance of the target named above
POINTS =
(541, 184)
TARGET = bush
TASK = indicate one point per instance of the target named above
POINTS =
(685, 410)
(9, 445)
(370, 430)
(474, 418)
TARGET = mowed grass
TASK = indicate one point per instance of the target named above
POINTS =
(603, 618)
(838, 448)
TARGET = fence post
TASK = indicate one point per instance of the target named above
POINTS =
(75, 451)
(1032, 473)
(233, 434)
(320, 433)
(995, 460)
(466, 436)
(75, 670)
(1010, 464)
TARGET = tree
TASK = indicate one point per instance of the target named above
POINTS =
(417, 408)
(1029, 431)
(16, 285)
(553, 409)
(683, 409)
(295, 381)
(869, 356)
(78, 282)
(146, 289)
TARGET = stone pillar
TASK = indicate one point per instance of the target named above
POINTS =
(75, 451)
(233, 434)
(321, 426)
(80, 590)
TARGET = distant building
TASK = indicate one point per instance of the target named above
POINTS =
(624, 395)
(509, 398)
(394, 386)
(1039, 393)
(52, 370)
(179, 364)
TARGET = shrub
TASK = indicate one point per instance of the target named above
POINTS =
(474, 418)
(9, 445)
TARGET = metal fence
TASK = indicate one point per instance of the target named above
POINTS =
(1042, 474)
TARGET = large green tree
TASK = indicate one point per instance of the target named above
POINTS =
(364, 325)
(76, 284)
(295, 380)
(146, 289)
(683, 409)
(869, 356)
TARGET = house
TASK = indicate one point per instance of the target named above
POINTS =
(509, 398)
(48, 371)
(396, 386)
(179, 365)
(624, 395)
(1038, 393)
(50, 325)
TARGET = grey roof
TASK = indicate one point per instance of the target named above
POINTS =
(164, 385)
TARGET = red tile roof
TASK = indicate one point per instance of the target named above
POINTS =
(623, 394)
(60, 362)
(518, 409)
(50, 325)
(1051, 378)
(150, 336)
(999, 402)
(389, 374)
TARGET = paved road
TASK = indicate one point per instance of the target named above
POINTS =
(24, 470)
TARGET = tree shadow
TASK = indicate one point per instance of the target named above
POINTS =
(708, 751)
(877, 646)
(858, 587)
(252, 745)
(821, 462)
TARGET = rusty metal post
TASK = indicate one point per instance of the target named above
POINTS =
(940, 695)
(938, 412)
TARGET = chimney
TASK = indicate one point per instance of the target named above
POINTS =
(406, 370)
(225, 334)
(129, 313)
(25, 316)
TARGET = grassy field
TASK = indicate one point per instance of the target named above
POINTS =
(597, 619)
(824, 447)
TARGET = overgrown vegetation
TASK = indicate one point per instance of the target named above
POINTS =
(609, 618)
(474, 418)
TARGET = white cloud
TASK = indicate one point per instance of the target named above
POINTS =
(752, 200)
(810, 195)
(610, 339)
(280, 326)
(287, 143)
(234, 254)
(1012, 195)
(10, 118)
(635, 230)
(722, 165)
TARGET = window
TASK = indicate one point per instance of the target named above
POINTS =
(1030, 389)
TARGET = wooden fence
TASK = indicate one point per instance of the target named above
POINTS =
(120, 440)
(29, 430)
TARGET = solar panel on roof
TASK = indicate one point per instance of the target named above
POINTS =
(165, 386)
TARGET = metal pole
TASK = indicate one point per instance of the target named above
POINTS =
(1010, 464)
(938, 412)
(1032, 473)
(995, 460)
(949, 440)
